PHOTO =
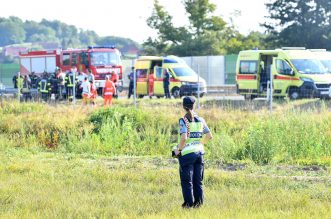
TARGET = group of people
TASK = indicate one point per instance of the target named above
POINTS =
(61, 85)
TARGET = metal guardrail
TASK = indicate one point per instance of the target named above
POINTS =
(224, 89)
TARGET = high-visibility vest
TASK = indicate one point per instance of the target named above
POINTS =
(44, 86)
(70, 79)
(194, 137)
(109, 88)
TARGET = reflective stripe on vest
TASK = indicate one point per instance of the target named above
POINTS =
(43, 86)
(70, 79)
(193, 142)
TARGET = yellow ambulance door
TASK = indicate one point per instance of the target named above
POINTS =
(284, 76)
(142, 72)
(248, 78)
(158, 81)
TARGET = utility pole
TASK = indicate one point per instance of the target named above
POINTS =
(271, 89)
(74, 88)
(134, 85)
(198, 86)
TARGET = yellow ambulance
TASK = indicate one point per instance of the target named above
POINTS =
(296, 73)
(324, 56)
(183, 80)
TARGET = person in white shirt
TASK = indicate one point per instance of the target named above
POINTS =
(86, 90)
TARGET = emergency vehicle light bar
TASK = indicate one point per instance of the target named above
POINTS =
(101, 47)
(293, 48)
(318, 50)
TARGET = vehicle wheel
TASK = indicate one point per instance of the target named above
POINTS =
(140, 96)
(294, 94)
(175, 92)
(201, 95)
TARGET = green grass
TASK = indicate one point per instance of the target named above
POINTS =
(289, 135)
(73, 162)
(37, 184)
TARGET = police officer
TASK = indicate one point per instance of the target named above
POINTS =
(131, 84)
(190, 153)
(166, 83)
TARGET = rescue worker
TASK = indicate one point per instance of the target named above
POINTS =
(115, 78)
(34, 80)
(70, 81)
(90, 76)
(80, 79)
(44, 87)
(108, 91)
(15, 79)
(166, 83)
(54, 86)
(26, 89)
(94, 93)
(61, 76)
(131, 83)
(190, 153)
(86, 90)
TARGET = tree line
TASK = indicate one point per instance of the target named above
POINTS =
(13, 30)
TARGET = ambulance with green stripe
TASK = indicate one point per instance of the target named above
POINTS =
(183, 80)
(296, 73)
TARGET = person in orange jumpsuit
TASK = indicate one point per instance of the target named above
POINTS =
(108, 91)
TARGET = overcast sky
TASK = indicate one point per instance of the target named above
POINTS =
(127, 18)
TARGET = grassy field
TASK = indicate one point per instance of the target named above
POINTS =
(73, 162)
(62, 185)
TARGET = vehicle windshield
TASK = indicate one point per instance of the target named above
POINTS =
(309, 66)
(327, 64)
(182, 72)
(105, 58)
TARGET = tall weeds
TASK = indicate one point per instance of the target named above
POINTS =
(286, 136)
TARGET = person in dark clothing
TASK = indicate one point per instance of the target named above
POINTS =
(190, 152)
(44, 87)
(70, 83)
(26, 89)
(34, 80)
(131, 84)
(15, 79)
(166, 83)
(54, 85)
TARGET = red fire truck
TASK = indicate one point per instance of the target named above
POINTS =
(100, 60)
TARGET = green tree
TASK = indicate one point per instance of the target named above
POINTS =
(36, 32)
(200, 15)
(300, 23)
(11, 31)
(206, 33)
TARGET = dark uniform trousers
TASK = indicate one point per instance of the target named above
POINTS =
(130, 89)
(166, 90)
(70, 92)
(191, 168)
